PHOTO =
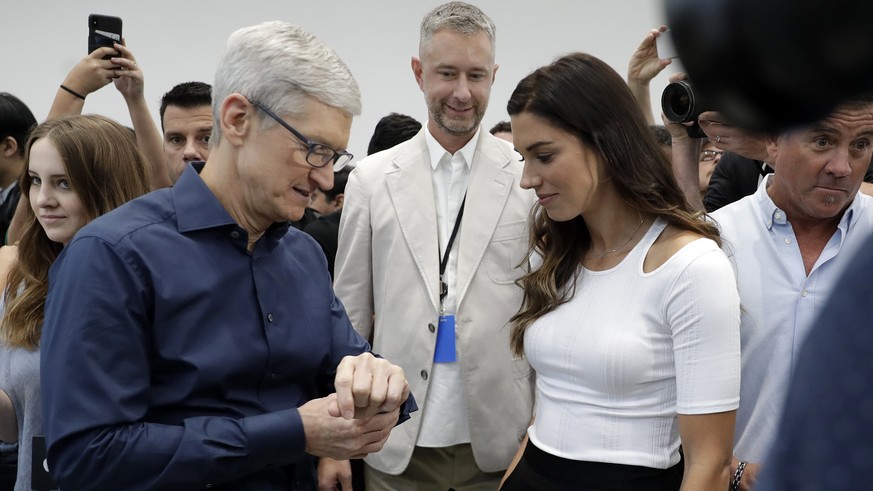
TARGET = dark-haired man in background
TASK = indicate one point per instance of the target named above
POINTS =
(186, 121)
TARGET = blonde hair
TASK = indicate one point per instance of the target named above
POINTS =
(105, 170)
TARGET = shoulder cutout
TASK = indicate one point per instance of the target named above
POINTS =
(671, 240)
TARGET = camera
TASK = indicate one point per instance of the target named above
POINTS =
(681, 105)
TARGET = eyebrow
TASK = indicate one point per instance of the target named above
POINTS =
(198, 130)
(834, 131)
(35, 174)
(536, 145)
(823, 129)
(449, 66)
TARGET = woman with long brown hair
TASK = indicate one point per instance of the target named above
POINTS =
(78, 168)
(630, 315)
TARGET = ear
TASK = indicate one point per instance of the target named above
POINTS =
(417, 71)
(9, 147)
(236, 117)
(494, 74)
(338, 201)
(772, 142)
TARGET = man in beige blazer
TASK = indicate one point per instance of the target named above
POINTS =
(400, 210)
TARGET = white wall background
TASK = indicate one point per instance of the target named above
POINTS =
(177, 41)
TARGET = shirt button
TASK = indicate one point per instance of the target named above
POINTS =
(424, 374)
(431, 327)
(787, 241)
(269, 317)
(803, 293)
(234, 234)
(778, 215)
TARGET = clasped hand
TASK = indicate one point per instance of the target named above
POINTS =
(358, 418)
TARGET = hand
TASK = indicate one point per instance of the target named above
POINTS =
(332, 473)
(340, 438)
(750, 474)
(92, 72)
(644, 63)
(129, 79)
(366, 385)
(733, 139)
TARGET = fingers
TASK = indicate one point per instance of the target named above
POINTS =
(366, 374)
(125, 52)
(366, 385)
(125, 60)
(345, 479)
(362, 385)
(676, 77)
(332, 472)
(99, 53)
(345, 374)
(397, 390)
(333, 406)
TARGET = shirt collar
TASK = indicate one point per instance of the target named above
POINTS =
(437, 151)
(773, 215)
(196, 206)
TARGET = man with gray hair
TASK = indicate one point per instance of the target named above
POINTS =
(431, 236)
(228, 363)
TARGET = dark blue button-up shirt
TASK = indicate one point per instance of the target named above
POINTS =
(173, 358)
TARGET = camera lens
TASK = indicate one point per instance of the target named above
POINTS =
(678, 102)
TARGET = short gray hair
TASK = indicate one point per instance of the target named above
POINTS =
(277, 65)
(457, 16)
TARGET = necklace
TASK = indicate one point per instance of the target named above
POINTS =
(613, 251)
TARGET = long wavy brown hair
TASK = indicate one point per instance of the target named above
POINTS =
(105, 170)
(585, 97)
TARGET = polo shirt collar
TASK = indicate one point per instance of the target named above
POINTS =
(773, 215)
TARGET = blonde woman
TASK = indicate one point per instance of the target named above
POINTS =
(78, 168)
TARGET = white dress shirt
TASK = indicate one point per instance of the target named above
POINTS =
(444, 421)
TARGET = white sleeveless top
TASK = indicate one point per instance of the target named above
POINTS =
(630, 350)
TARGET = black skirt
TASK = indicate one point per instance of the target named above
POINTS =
(538, 470)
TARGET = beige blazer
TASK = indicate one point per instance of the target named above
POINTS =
(387, 265)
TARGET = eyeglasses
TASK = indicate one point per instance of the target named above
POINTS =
(710, 155)
(318, 155)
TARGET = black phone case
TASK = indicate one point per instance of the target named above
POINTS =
(103, 30)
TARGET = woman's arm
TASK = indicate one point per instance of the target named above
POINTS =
(131, 84)
(515, 461)
(89, 75)
(706, 441)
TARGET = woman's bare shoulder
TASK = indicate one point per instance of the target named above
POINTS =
(671, 241)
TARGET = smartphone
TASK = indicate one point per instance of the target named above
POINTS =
(103, 30)
(665, 46)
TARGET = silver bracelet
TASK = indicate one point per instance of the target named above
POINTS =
(738, 475)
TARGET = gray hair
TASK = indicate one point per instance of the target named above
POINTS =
(277, 65)
(457, 16)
